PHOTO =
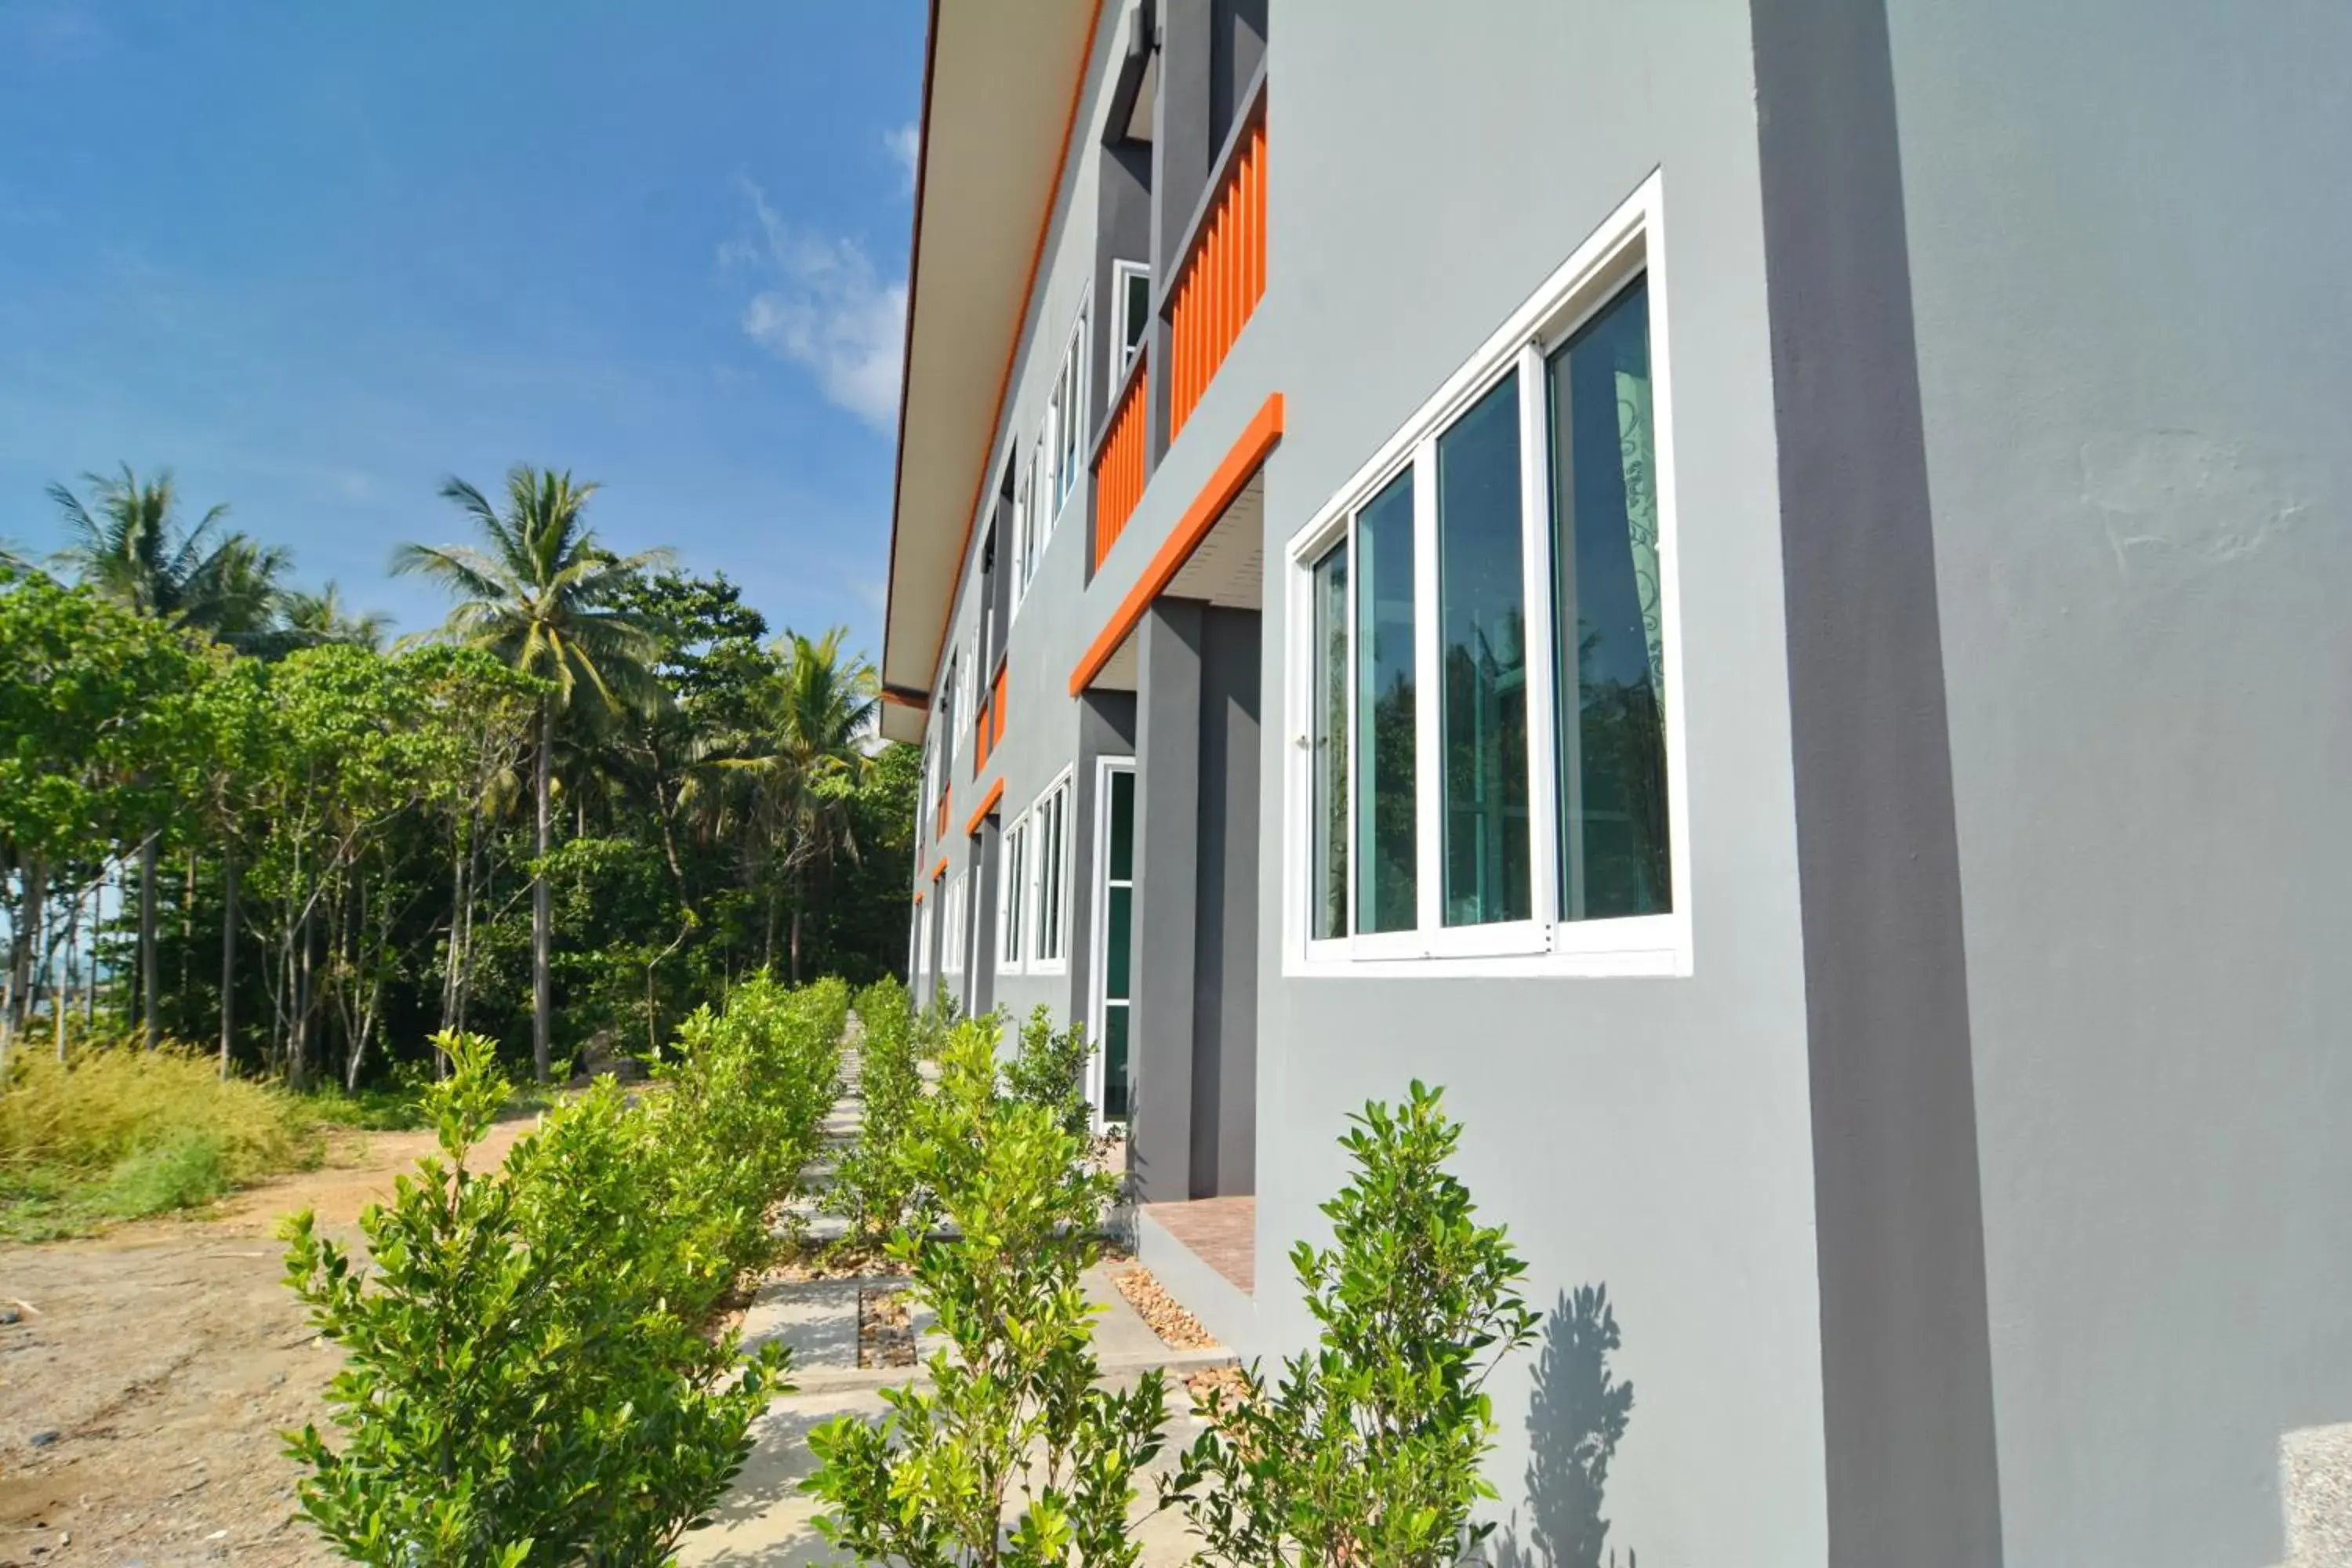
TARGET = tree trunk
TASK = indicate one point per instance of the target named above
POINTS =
(73, 970)
(298, 1038)
(542, 1000)
(228, 957)
(188, 936)
(149, 992)
(796, 942)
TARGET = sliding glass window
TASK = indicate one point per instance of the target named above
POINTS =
(1386, 689)
(1614, 858)
(1482, 660)
(1328, 895)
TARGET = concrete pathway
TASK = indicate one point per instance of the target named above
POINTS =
(765, 1517)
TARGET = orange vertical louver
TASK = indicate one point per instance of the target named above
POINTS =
(1220, 281)
(1118, 466)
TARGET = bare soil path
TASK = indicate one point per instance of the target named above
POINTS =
(150, 1372)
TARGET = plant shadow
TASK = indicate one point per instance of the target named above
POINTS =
(1576, 1415)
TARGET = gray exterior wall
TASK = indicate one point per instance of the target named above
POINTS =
(2127, 221)
(1652, 1136)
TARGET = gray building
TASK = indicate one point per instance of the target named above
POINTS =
(1756, 590)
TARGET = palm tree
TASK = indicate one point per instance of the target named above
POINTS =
(544, 595)
(311, 620)
(128, 542)
(794, 769)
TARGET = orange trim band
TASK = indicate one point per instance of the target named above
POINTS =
(987, 804)
(918, 895)
(938, 870)
(903, 701)
(1249, 450)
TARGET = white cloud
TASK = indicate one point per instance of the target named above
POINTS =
(906, 145)
(826, 309)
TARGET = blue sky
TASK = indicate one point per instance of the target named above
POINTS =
(317, 257)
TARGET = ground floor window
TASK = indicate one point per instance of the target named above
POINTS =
(951, 927)
(1049, 894)
(1115, 937)
(1481, 653)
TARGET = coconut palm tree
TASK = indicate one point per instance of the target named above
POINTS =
(310, 620)
(128, 541)
(544, 595)
(785, 781)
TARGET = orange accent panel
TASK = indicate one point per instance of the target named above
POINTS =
(1119, 474)
(1028, 290)
(938, 870)
(947, 793)
(1219, 282)
(1242, 460)
(988, 802)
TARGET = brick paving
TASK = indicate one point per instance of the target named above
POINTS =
(1220, 1232)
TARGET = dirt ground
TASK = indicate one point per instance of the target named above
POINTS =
(158, 1365)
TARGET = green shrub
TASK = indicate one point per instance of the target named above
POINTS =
(526, 1376)
(1369, 1451)
(748, 1090)
(519, 1386)
(1049, 1068)
(117, 1133)
(1013, 1406)
(873, 1186)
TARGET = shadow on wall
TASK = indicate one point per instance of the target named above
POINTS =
(1576, 1417)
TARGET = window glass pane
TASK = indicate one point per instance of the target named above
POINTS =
(1122, 825)
(1016, 878)
(1116, 961)
(1136, 317)
(1385, 881)
(1614, 858)
(1115, 1095)
(1327, 894)
(1481, 651)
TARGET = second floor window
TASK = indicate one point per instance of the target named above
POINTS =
(1131, 297)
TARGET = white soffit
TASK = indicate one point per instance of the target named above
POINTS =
(1002, 77)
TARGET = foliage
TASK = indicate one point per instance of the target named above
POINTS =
(1049, 1069)
(1369, 1449)
(119, 1133)
(745, 1110)
(1013, 1404)
(527, 1380)
(128, 542)
(873, 1186)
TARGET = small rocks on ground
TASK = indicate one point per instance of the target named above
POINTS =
(1178, 1329)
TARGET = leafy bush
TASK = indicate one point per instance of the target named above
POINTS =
(747, 1100)
(1050, 1069)
(117, 1133)
(1014, 1402)
(1369, 1451)
(527, 1377)
(873, 1187)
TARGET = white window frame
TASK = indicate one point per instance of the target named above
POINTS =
(1052, 802)
(1069, 405)
(1631, 243)
(919, 964)
(952, 927)
(1121, 274)
(1099, 949)
(1012, 879)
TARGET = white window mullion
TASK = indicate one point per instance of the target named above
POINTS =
(1535, 514)
(1348, 700)
(1429, 747)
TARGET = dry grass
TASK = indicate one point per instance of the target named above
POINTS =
(118, 1133)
